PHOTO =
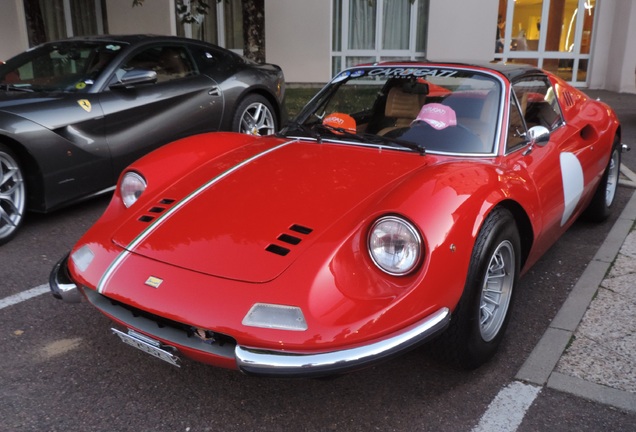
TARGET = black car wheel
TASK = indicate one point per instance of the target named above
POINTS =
(254, 116)
(12, 194)
(601, 204)
(481, 317)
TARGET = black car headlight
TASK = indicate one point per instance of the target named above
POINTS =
(131, 187)
(395, 245)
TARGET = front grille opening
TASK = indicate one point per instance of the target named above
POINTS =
(211, 337)
(278, 250)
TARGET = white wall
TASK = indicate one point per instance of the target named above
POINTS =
(297, 35)
(154, 17)
(13, 33)
(461, 30)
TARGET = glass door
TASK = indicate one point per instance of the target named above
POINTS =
(551, 34)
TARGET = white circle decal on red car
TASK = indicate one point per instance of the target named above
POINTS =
(572, 175)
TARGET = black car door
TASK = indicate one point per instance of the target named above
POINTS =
(141, 117)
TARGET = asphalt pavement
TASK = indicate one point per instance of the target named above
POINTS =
(589, 349)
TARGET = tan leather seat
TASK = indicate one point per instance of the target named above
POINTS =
(403, 107)
(172, 64)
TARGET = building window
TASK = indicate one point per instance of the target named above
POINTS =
(221, 25)
(552, 34)
(375, 30)
(49, 20)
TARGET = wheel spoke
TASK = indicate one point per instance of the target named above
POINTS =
(5, 218)
(258, 114)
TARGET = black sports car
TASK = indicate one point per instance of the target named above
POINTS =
(74, 113)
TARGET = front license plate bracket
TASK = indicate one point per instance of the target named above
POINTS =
(149, 346)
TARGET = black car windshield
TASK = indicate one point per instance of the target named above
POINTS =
(439, 109)
(68, 66)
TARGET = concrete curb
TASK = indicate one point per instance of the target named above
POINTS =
(540, 366)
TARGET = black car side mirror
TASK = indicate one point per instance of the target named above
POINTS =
(134, 78)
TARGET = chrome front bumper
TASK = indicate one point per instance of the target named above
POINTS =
(254, 361)
(61, 285)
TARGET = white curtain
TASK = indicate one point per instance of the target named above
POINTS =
(233, 24)
(396, 26)
(362, 15)
(84, 17)
(53, 17)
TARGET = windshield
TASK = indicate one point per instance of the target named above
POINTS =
(439, 109)
(69, 66)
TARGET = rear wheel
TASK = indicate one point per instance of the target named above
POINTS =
(481, 317)
(601, 205)
(254, 116)
(12, 194)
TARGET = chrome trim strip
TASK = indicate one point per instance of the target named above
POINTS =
(161, 219)
(255, 361)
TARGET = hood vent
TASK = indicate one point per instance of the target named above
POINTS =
(156, 210)
(289, 239)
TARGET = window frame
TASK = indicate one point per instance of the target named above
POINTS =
(341, 53)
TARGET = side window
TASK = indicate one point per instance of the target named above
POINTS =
(516, 127)
(170, 62)
(206, 57)
(538, 103)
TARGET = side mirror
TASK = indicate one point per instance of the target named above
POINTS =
(135, 77)
(538, 135)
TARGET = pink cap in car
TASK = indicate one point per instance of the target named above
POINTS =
(437, 115)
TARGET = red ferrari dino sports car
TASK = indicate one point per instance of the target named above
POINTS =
(401, 204)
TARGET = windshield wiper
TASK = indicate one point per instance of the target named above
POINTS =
(397, 141)
(13, 87)
(295, 125)
(372, 138)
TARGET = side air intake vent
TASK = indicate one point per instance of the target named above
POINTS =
(568, 98)
(290, 240)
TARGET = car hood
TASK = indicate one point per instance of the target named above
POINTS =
(252, 221)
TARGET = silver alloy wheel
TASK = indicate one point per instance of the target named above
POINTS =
(12, 195)
(496, 291)
(612, 177)
(257, 119)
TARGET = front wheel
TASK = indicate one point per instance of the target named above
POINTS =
(12, 194)
(481, 317)
(601, 205)
(254, 116)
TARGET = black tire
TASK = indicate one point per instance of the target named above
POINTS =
(255, 116)
(481, 317)
(12, 194)
(601, 205)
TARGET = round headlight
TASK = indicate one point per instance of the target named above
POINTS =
(131, 188)
(395, 245)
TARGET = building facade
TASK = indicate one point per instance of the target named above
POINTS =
(591, 43)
